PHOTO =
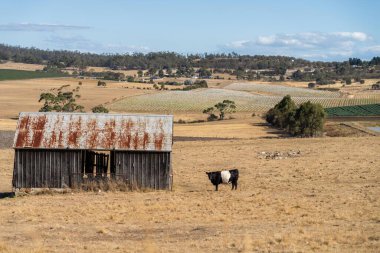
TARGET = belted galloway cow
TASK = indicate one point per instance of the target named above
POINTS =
(224, 177)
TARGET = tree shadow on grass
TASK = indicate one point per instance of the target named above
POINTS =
(273, 133)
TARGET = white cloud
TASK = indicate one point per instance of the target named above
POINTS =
(309, 45)
(17, 27)
(82, 44)
(238, 44)
(373, 49)
(266, 40)
(127, 48)
(359, 36)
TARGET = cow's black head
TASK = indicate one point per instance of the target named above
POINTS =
(214, 177)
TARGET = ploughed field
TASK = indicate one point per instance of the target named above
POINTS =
(294, 195)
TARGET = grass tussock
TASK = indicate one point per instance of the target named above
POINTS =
(342, 130)
(87, 186)
(109, 186)
(41, 191)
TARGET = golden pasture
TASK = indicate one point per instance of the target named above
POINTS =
(326, 199)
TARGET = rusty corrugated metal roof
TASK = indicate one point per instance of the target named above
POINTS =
(94, 131)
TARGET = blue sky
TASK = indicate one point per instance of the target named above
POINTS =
(316, 30)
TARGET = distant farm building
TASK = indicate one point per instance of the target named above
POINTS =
(56, 150)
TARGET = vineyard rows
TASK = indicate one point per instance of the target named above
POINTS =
(279, 90)
(197, 100)
(358, 110)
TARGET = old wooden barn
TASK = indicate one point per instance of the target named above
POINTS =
(57, 150)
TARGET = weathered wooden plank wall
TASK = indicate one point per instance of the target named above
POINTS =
(35, 168)
(144, 169)
(38, 168)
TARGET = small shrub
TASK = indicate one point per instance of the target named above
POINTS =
(130, 79)
(323, 81)
(227, 106)
(188, 82)
(181, 121)
(99, 109)
(102, 83)
(212, 117)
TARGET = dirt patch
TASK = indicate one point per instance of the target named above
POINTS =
(21, 66)
(6, 139)
(349, 129)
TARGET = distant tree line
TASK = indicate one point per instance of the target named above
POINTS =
(243, 66)
(353, 69)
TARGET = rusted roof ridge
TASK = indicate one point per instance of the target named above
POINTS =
(100, 114)
(94, 131)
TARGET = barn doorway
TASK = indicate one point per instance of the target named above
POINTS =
(96, 164)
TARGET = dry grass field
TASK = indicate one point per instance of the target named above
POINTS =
(103, 69)
(323, 200)
(23, 95)
(21, 66)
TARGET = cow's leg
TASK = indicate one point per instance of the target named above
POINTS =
(236, 185)
(216, 187)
